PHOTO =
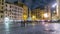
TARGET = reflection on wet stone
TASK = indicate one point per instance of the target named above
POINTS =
(30, 28)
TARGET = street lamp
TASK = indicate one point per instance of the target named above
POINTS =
(6, 19)
(55, 11)
(54, 5)
(33, 17)
(25, 17)
(45, 15)
(6, 22)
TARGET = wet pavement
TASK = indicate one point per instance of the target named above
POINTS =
(30, 28)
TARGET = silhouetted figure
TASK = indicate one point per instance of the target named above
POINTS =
(23, 24)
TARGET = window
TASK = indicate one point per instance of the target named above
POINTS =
(20, 9)
(15, 16)
(12, 13)
(15, 10)
(2, 0)
(15, 7)
(1, 16)
(6, 12)
(1, 12)
(5, 9)
(10, 6)
(2, 3)
(10, 16)
(1, 7)
(10, 9)
(6, 5)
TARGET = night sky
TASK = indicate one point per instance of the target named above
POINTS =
(34, 3)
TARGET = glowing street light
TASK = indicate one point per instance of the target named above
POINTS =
(33, 17)
(45, 15)
(6, 23)
(54, 5)
(25, 17)
(6, 19)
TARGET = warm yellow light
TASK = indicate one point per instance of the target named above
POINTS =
(45, 15)
(24, 17)
(34, 17)
(57, 11)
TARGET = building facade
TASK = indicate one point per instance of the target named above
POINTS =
(53, 14)
(58, 9)
(37, 14)
(25, 10)
(13, 12)
(48, 10)
(2, 3)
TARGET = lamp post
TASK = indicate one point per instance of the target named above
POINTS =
(53, 7)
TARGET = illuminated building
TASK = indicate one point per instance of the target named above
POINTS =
(13, 12)
(51, 9)
(48, 10)
(58, 8)
(38, 13)
(2, 3)
(25, 9)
